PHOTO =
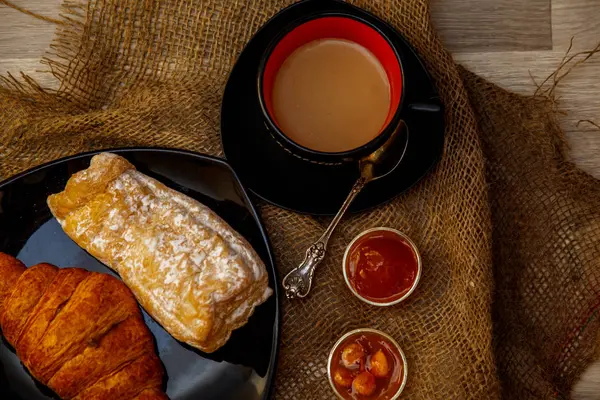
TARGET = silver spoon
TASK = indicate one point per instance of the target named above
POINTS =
(298, 281)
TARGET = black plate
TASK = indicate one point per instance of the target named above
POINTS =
(244, 367)
(283, 179)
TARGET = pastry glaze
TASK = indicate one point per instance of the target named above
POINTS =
(77, 331)
(186, 266)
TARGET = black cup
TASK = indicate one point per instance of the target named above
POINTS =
(324, 26)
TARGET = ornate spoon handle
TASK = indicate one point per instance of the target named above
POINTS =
(298, 281)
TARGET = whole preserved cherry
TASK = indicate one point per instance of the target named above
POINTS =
(364, 384)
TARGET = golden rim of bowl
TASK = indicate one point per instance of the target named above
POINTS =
(407, 240)
(377, 332)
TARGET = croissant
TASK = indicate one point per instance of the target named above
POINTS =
(80, 333)
(186, 266)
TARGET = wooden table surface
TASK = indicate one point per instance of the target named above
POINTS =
(505, 41)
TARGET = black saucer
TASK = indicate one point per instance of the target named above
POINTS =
(285, 180)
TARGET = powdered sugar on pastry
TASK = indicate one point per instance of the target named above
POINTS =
(187, 267)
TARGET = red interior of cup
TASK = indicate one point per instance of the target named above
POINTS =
(335, 28)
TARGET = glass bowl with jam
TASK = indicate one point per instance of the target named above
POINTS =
(382, 266)
(367, 364)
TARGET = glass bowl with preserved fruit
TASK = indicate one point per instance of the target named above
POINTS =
(367, 364)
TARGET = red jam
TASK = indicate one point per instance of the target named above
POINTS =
(381, 266)
(374, 372)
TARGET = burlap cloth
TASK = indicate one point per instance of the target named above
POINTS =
(507, 227)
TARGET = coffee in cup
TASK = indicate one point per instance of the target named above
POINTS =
(332, 86)
(331, 95)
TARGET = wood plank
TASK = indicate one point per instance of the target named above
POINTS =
(22, 36)
(31, 67)
(575, 18)
(493, 25)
